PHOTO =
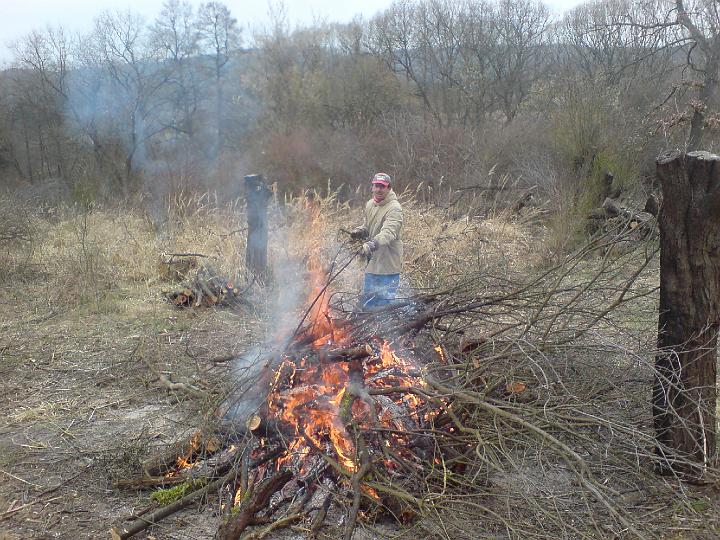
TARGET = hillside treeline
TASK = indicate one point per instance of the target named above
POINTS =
(458, 94)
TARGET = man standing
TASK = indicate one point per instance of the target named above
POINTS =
(383, 247)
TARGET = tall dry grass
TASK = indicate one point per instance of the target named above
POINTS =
(81, 255)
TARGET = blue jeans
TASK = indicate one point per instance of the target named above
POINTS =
(379, 290)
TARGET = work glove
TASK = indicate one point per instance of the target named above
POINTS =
(358, 233)
(368, 248)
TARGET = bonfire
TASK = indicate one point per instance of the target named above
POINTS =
(342, 419)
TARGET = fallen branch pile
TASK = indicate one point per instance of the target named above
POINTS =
(206, 288)
(492, 404)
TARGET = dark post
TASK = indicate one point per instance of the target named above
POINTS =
(257, 196)
(684, 391)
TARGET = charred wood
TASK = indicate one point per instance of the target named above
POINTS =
(254, 500)
(345, 355)
(319, 518)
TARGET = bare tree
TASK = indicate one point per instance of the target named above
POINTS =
(176, 33)
(700, 22)
(520, 31)
(393, 36)
(219, 37)
(41, 93)
(476, 81)
(135, 76)
(595, 41)
(690, 29)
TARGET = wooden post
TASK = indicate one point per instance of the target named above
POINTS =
(257, 196)
(684, 392)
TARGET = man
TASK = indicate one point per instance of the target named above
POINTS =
(383, 247)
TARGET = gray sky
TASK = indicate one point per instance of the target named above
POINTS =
(19, 17)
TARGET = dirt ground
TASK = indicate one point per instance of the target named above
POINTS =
(81, 406)
(82, 402)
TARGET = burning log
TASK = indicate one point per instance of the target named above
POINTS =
(202, 442)
(346, 355)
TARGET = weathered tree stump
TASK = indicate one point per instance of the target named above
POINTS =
(684, 391)
(257, 195)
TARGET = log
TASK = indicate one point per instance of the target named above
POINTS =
(345, 355)
(205, 441)
(255, 500)
(261, 426)
(613, 209)
(684, 390)
(215, 465)
(142, 523)
(207, 288)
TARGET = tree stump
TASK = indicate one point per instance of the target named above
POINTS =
(257, 195)
(684, 391)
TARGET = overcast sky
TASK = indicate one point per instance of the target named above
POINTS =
(19, 17)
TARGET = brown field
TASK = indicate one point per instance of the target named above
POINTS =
(85, 334)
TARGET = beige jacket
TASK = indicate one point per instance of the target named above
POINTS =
(383, 223)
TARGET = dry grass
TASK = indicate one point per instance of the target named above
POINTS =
(84, 334)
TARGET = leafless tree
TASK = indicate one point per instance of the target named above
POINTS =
(176, 32)
(220, 38)
(520, 31)
(135, 77)
(394, 36)
(41, 91)
(700, 23)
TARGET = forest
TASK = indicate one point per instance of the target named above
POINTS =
(548, 368)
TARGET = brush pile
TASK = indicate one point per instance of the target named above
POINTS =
(503, 402)
(206, 288)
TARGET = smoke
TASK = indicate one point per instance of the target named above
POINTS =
(136, 110)
(248, 393)
(287, 297)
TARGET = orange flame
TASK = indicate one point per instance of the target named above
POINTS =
(310, 399)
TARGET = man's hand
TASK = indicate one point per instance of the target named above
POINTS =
(358, 233)
(368, 248)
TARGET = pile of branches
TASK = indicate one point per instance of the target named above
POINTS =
(207, 288)
(544, 424)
